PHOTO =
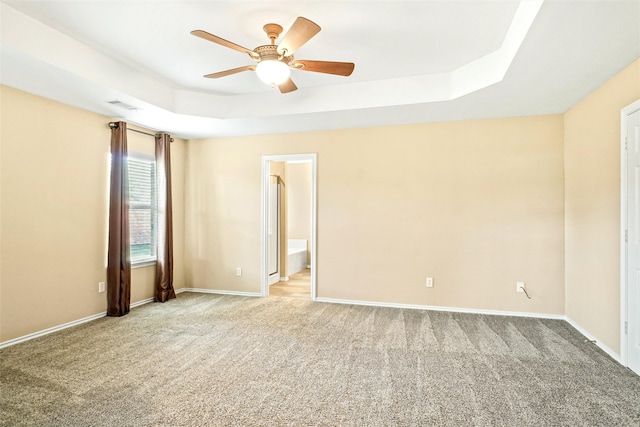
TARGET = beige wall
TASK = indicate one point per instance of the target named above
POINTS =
(299, 203)
(592, 206)
(478, 205)
(54, 177)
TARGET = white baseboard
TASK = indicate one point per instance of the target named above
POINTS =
(218, 291)
(615, 356)
(142, 302)
(66, 325)
(104, 313)
(51, 330)
(441, 308)
(273, 279)
(586, 334)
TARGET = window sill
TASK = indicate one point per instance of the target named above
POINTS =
(143, 263)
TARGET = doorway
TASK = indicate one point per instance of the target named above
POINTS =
(273, 228)
(630, 246)
(268, 252)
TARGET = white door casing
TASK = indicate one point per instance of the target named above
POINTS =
(633, 246)
(630, 256)
(273, 231)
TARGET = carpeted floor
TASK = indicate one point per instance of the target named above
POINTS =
(214, 360)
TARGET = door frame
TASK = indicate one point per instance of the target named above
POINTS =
(264, 266)
(279, 219)
(624, 118)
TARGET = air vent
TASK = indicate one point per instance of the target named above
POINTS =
(124, 105)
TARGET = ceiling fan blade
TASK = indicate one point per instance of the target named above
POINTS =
(300, 32)
(328, 67)
(222, 42)
(231, 71)
(287, 86)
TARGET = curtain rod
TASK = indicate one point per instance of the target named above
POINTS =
(114, 125)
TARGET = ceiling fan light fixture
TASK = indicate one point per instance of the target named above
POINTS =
(274, 62)
(272, 71)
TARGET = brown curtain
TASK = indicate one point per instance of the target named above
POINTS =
(164, 263)
(119, 263)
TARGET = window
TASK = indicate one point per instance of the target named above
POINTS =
(142, 209)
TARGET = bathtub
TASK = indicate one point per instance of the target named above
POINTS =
(297, 256)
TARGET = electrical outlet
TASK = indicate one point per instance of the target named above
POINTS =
(519, 286)
(238, 271)
(429, 282)
(101, 287)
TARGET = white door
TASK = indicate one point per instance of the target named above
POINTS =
(273, 232)
(633, 246)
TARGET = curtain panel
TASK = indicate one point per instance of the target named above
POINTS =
(164, 264)
(119, 263)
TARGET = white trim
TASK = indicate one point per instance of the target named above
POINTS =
(284, 279)
(219, 291)
(314, 227)
(146, 262)
(577, 327)
(624, 117)
(65, 326)
(289, 158)
(51, 330)
(141, 302)
(570, 321)
(273, 279)
(442, 308)
(606, 349)
(615, 356)
(264, 276)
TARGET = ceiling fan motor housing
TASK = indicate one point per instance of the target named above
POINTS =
(270, 53)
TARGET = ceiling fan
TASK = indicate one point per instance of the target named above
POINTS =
(275, 61)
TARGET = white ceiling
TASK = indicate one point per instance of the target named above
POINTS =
(416, 61)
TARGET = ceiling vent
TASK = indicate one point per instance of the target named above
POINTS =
(124, 105)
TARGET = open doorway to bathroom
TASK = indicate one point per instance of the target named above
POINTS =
(289, 225)
(289, 229)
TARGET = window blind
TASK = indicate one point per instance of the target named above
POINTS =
(142, 208)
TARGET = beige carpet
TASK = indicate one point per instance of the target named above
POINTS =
(211, 360)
